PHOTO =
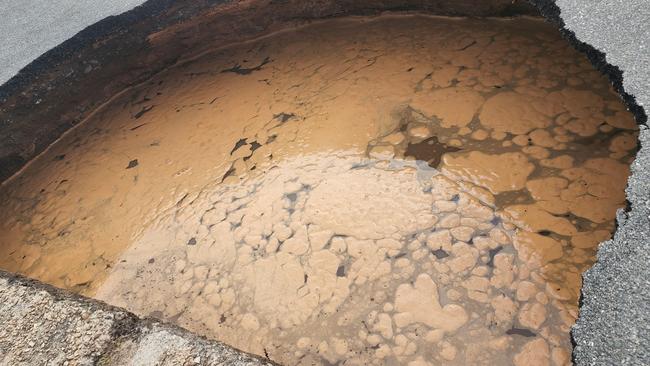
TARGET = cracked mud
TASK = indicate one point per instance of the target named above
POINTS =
(391, 190)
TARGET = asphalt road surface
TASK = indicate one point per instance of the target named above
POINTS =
(29, 28)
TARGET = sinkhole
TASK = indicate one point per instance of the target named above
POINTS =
(363, 190)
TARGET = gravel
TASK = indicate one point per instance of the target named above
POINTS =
(42, 325)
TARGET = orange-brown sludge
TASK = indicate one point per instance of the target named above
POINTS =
(392, 190)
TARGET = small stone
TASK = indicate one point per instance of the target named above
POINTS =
(340, 271)
(132, 164)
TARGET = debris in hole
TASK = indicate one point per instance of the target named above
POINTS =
(255, 145)
(229, 173)
(340, 272)
(142, 112)
(429, 150)
(468, 46)
(238, 144)
(132, 164)
(496, 220)
(440, 254)
(491, 254)
(284, 117)
(521, 332)
(237, 69)
(292, 197)
(138, 126)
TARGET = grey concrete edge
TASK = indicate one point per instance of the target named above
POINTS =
(43, 325)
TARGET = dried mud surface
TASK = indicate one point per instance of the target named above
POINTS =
(391, 190)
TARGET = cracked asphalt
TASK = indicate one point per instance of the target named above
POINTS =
(614, 323)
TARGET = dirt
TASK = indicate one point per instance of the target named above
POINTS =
(390, 190)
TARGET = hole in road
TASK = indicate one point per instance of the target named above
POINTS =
(397, 189)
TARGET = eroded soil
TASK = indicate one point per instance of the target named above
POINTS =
(392, 190)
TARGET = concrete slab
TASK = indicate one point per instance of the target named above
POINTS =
(42, 325)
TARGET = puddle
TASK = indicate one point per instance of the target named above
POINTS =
(393, 190)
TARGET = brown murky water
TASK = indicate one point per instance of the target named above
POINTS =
(393, 190)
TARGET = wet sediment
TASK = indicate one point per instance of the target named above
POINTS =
(407, 190)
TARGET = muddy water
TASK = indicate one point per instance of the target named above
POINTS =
(393, 190)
